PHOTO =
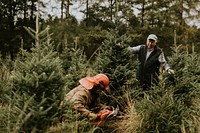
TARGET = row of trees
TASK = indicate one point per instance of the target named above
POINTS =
(165, 18)
(33, 85)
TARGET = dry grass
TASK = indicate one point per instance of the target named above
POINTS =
(130, 120)
(194, 122)
(2, 106)
(56, 129)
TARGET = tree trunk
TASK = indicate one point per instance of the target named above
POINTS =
(62, 7)
(143, 9)
(87, 8)
(67, 9)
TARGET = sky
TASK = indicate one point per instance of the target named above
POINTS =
(53, 8)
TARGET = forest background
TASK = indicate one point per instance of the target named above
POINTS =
(43, 57)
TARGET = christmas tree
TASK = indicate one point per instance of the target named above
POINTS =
(37, 88)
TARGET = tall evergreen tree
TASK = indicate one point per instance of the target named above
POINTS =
(75, 63)
(38, 83)
(187, 76)
(114, 60)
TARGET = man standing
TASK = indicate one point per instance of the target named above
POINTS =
(151, 57)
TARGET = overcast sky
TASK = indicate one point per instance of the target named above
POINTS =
(53, 8)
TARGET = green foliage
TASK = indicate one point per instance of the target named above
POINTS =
(11, 26)
(72, 122)
(172, 106)
(3, 118)
(33, 103)
(64, 32)
(5, 76)
(92, 39)
(161, 112)
(186, 78)
(77, 69)
(114, 60)
(37, 88)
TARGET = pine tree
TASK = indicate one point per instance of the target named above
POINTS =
(77, 66)
(173, 106)
(186, 79)
(5, 83)
(160, 111)
(187, 84)
(37, 89)
(113, 59)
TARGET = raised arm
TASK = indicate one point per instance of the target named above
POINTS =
(134, 49)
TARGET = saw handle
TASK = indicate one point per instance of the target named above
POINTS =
(104, 113)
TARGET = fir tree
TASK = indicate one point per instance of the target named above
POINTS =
(160, 112)
(37, 89)
(187, 83)
(113, 59)
(77, 67)
(173, 106)
(187, 77)
(5, 83)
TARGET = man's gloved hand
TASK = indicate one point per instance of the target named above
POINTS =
(93, 116)
(104, 113)
(170, 71)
